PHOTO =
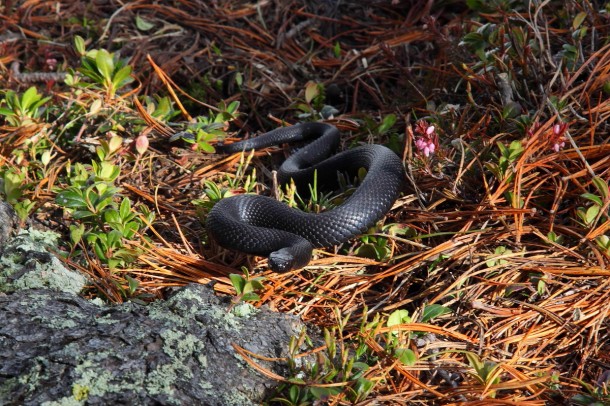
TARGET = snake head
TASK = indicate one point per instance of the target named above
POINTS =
(281, 261)
(295, 256)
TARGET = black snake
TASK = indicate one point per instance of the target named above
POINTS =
(263, 226)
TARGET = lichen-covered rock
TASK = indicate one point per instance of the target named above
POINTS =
(9, 222)
(59, 349)
(25, 263)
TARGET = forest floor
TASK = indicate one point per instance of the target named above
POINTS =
(487, 283)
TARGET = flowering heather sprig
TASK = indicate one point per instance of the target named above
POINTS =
(427, 141)
(556, 138)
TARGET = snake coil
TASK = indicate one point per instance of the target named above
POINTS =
(263, 226)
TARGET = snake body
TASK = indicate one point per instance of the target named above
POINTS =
(263, 226)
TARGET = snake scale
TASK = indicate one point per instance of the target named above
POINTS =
(264, 226)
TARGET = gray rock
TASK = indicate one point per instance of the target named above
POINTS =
(57, 348)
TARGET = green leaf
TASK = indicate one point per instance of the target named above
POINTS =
(125, 209)
(114, 239)
(112, 216)
(29, 98)
(122, 77)
(398, 317)
(387, 123)
(6, 112)
(250, 297)
(602, 187)
(323, 393)
(591, 214)
(406, 356)
(594, 198)
(312, 90)
(580, 17)
(71, 198)
(257, 283)
(367, 251)
(238, 282)
(105, 64)
(474, 361)
(205, 147)
(294, 394)
(233, 106)
(432, 311)
(484, 369)
(76, 233)
(79, 45)
(239, 79)
(362, 387)
(133, 284)
(82, 214)
(337, 49)
(515, 150)
(503, 150)
(142, 24)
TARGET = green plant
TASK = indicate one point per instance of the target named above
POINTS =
(598, 211)
(108, 149)
(239, 182)
(486, 372)
(246, 286)
(24, 110)
(314, 202)
(209, 128)
(433, 311)
(503, 170)
(313, 106)
(160, 108)
(494, 258)
(397, 341)
(309, 382)
(12, 187)
(106, 70)
(376, 246)
(101, 223)
(595, 395)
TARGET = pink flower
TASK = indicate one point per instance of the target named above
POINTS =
(557, 138)
(427, 141)
(558, 145)
(51, 63)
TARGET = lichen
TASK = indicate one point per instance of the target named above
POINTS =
(178, 345)
(244, 310)
(26, 264)
(187, 304)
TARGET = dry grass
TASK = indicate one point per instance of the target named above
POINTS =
(539, 310)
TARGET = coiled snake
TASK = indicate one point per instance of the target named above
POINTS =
(263, 226)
